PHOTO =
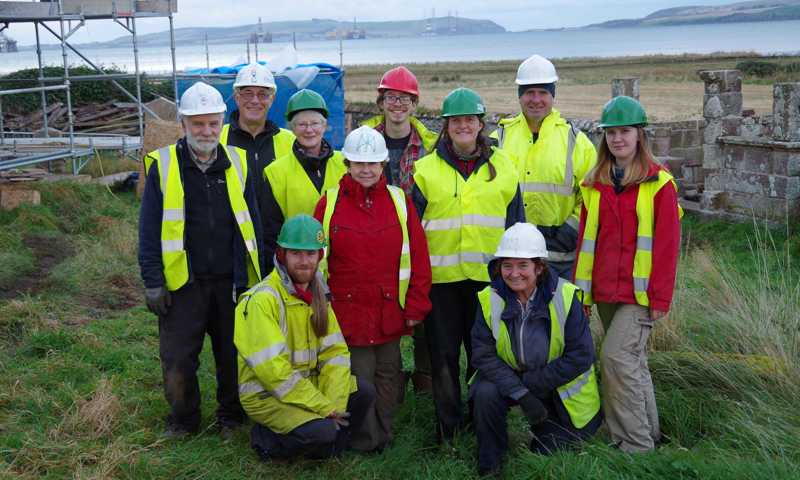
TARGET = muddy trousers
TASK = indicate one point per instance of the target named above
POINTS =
(380, 365)
(491, 426)
(447, 327)
(318, 438)
(628, 397)
(203, 306)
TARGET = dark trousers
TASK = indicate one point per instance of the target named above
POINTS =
(563, 269)
(380, 365)
(491, 412)
(204, 306)
(448, 326)
(317, 438)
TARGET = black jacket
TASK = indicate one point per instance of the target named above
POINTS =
(536, 375)
(515, 212)
(214, 245)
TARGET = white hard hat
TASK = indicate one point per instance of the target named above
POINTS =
(255, 75)
(200, 99)
(536, 69)
(522, 240)
(365, 144)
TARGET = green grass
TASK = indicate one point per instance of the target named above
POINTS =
(80, 394)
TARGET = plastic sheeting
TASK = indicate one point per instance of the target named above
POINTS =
(323, 78)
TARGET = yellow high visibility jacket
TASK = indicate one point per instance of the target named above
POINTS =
(428, 138)
(173, 251)
(281, 141)
(643, 258)
(287, 375)
(581, 396)
(292, 188)
(464, 219)
(550, 170)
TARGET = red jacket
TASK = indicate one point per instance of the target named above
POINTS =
(364, 261)
(612, 275)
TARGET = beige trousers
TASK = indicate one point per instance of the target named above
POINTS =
(629, 401)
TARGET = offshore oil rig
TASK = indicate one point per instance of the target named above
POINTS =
(7, 44)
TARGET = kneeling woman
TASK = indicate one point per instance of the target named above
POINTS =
(532, 347)
(630, 221)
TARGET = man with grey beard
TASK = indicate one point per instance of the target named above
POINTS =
(199, 238)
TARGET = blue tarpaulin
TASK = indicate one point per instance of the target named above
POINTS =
(329, 83)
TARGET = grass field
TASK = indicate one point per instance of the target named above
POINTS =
(80, 390)
(670, 87)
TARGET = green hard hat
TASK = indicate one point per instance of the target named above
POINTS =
(302, 232)
(462, 101)
(306, 99)
(622, 111)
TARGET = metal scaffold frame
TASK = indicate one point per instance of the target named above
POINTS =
(79, 146)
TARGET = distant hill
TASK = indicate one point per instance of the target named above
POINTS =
(315, 29)
(752, 11)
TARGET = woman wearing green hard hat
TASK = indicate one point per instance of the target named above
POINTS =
(628, 248)
(466, 193)
(296, 181)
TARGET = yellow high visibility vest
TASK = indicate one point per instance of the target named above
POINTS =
(399, 200)
(173, 251)
(287, 375)
(281, 141)
(550, 170)
(292, 188)
(428, 138)
(643, 258)
(464, 219)
(580, 396)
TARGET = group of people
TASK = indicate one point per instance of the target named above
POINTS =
(307, 265)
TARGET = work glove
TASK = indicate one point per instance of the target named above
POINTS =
(158, 300)
(533, 408)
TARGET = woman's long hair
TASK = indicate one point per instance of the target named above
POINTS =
(635, 173)
(483, 142)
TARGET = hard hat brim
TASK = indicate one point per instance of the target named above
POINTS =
(536, 81)
(364, 159)
(500, 254)
(192, 112)
(255, 84)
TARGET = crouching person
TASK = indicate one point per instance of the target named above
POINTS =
(531, 347)
(294, 366)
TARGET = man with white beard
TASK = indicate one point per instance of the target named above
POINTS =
(199, 238)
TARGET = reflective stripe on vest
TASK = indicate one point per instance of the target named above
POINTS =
(464, 219)
(293, 190)
(399, 200)
(581, 396)
(643, 258)
(173, 217)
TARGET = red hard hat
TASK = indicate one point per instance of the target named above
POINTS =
(400, 79)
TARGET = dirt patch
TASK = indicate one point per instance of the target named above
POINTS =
(48, 251)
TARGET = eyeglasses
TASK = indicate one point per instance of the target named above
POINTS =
(316, 125)
(404, 100)
(262, 96)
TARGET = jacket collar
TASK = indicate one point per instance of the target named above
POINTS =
(286, 280)
(448, 156)
(310, 162)
(351, 187)
(185, 156)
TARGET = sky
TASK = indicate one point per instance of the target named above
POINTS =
(514, 15)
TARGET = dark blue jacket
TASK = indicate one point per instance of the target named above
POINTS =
(530, 335)
(214, 245)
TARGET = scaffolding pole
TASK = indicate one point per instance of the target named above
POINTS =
(41, 81)
(174, 67)
(138, 77)
(70, 120)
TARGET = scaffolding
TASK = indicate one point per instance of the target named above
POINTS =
(71, 15)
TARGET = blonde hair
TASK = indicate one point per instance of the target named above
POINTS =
(319, 304)
(635, 173)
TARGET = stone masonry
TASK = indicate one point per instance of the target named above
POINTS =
(628, 86)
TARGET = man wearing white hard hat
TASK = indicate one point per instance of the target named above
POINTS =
(532, 347)
(199, 241)
(254, 91)
(379, 274)
(553, 157)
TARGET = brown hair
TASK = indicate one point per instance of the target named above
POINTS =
(636, 171)
(483, 142)
(319, 304)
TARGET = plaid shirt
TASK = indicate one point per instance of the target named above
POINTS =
(401, 172)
